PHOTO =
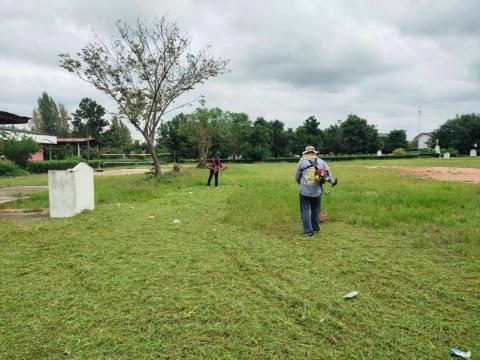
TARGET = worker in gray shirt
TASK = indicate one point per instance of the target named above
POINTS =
(311, 171)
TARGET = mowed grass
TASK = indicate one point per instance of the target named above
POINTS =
(236, 279)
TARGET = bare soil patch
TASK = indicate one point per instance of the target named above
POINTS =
(117, 172)
(133, 171)
(12, 193)
(21, 214)
(468, 175)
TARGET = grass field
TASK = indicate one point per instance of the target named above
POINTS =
(236, 279)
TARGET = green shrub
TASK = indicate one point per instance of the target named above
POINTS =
(426, 151)
(453, 152)
(398, 151)
(331, 158)
(63, 152)
(19, 151)
(39, 167)
(76, 158)
(9, 169)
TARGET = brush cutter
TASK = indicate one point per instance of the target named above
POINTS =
(222, 172)
(232, 180)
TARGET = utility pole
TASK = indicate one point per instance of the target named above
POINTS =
(419, 113)
(88, 144)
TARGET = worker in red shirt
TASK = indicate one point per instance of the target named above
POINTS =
(215, 166)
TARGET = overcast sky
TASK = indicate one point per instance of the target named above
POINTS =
(290, 59)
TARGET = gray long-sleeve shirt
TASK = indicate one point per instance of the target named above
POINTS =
(305, 176)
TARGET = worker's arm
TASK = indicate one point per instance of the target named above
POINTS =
(298, 174)
(331, 178)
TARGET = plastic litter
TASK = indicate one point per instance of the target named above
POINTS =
(176, 221)
(459, 353)
(351, 295)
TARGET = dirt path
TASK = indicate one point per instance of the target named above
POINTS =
(143, 170)
(117, 172)
(20, 214)
(13, 193)
(468, 175)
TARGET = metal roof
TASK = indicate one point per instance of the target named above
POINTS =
(9, 118)
(82, 140)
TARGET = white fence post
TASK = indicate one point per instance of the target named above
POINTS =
(71, 191)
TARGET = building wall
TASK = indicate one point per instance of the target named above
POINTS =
(40, 139)
(38, 156)
(423, 140)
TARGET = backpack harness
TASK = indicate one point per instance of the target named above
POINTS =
(322, 174)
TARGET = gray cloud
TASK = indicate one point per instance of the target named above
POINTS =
(290, 59)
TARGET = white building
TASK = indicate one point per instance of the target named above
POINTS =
(43, 140)
(422, 139)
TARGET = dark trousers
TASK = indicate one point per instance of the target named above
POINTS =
(212, 172)
(310, 213)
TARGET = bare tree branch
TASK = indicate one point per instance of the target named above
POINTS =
(144, 69)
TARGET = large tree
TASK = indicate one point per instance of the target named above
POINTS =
(63, 125)
(50, 118)
(145, 69)
(359, 136)
(332, 139)
(117, 135)
(237, 134)
(309, 133)
(278, 139)
(48, 111)
(171, 137)
(396, 139)
(200, 127)
(88, 119)
(36, 123)
(460, 133)
(259, 140)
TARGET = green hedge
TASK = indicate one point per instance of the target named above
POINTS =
(44, 166)
(9, 169)
(332, 158)
(39, 167)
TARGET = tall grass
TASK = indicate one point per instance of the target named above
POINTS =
(375, 198)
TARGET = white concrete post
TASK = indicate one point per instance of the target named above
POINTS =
(71, 191)
(379, 153)
(473, 152)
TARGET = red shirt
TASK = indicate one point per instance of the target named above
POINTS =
(216, 165)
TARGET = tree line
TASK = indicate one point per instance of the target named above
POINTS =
(87, 121)
(235, 135)
(461, 133)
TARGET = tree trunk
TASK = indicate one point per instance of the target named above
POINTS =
(202, 156)
(156, 162)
